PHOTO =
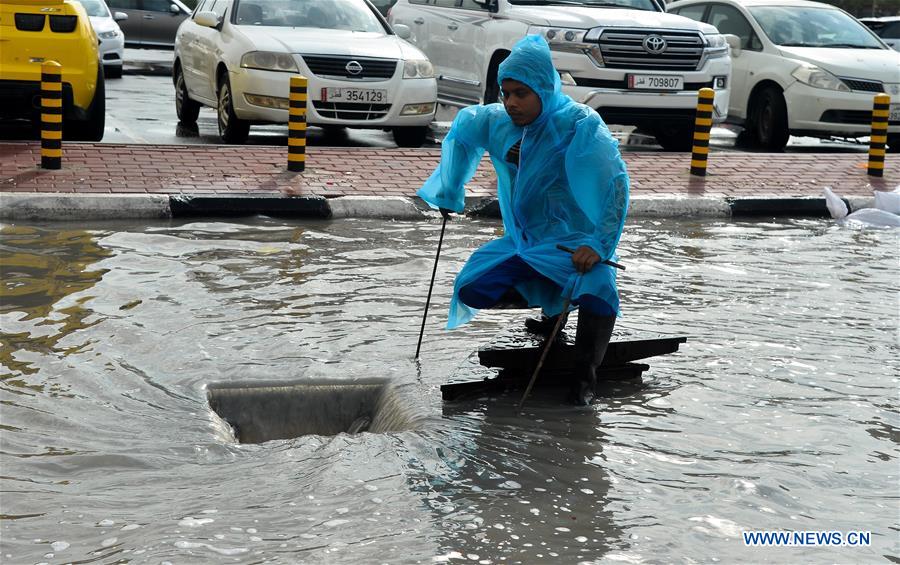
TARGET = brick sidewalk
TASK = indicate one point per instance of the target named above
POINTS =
(332, 172)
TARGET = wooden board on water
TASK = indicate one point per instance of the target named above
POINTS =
(516, 352)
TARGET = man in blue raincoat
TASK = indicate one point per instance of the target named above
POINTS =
(560, 180)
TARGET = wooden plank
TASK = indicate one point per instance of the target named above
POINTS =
(508, 380)
(562, 355)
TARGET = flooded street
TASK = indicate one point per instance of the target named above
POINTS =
(780, 413)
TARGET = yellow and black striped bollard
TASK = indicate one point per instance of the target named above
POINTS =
(297, 125)
(702, 126)
(878, 140)
(51, 115)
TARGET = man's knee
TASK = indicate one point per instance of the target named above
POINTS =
(474, 297)
(595, 305)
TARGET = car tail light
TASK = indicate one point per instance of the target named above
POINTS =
(29, 22)
(63, 24)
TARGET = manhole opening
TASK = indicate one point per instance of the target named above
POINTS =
(263, 411)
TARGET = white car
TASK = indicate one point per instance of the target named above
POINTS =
(238, 56)
(112, 40)
(628, 59)
(887, 28)
(803, 68)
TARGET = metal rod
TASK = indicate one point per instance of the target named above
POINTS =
(562, 247)
(431, 286)
(550, 339)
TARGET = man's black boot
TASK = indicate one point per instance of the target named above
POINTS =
(591, 339)
(544, 325)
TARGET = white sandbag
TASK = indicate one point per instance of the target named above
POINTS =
(888, 201)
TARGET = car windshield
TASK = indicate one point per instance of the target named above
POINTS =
(796, 26)
(350, 15)
(96, 8)
(629, 4)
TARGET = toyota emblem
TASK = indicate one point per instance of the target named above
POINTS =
(354, 68)
(654, 44)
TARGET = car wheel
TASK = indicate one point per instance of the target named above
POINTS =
(767, 125)
(675, 137)
(231, 128)
(410, 136)
(113, 71)
(92, 128)
(893, 143)
(186, 108)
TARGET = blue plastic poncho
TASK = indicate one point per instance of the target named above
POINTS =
(570, 187)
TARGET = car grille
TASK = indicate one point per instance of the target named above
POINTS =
(351, 110)
(332, 66)
(623, 49)
(861, 117)
(863, 85)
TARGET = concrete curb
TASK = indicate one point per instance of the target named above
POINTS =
(678, 207)
(273, 204)
(66, 206)
(62, 207)
(387, 207)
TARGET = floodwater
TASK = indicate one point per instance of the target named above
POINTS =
(779, 413)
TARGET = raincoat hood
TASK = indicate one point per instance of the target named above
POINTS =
(530, 63)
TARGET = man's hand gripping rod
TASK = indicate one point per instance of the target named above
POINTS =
(562, 247)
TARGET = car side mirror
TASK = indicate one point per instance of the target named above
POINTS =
(120, 16)
(402, 31)
(174, 9)
(734, 42)
(489, 5)
(206, 19)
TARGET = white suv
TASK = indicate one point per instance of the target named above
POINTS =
(628, 59)
(238, 56)
(803, 68)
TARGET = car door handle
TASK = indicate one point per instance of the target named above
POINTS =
(149, 17)
(419, 21)
(453, 27)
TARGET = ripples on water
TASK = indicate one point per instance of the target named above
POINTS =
(780, 413)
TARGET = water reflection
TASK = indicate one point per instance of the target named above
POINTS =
(40, 271)
(524, 488)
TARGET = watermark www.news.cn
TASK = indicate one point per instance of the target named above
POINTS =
(806, 538)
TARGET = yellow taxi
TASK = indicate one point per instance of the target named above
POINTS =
(35, 31)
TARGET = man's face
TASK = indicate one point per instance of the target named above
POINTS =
(522, 104)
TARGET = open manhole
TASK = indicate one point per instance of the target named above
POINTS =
(263, 411)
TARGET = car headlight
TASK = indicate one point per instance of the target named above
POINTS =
(269, 61)
(818, 78)
(108, 35)
(558, 35)
(716, 46)
(418, 68)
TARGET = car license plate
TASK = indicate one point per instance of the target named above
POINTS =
(655, 82)
(895, 113)
(363, 95)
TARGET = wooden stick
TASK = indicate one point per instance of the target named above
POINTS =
(445, 214)
(547, 347)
